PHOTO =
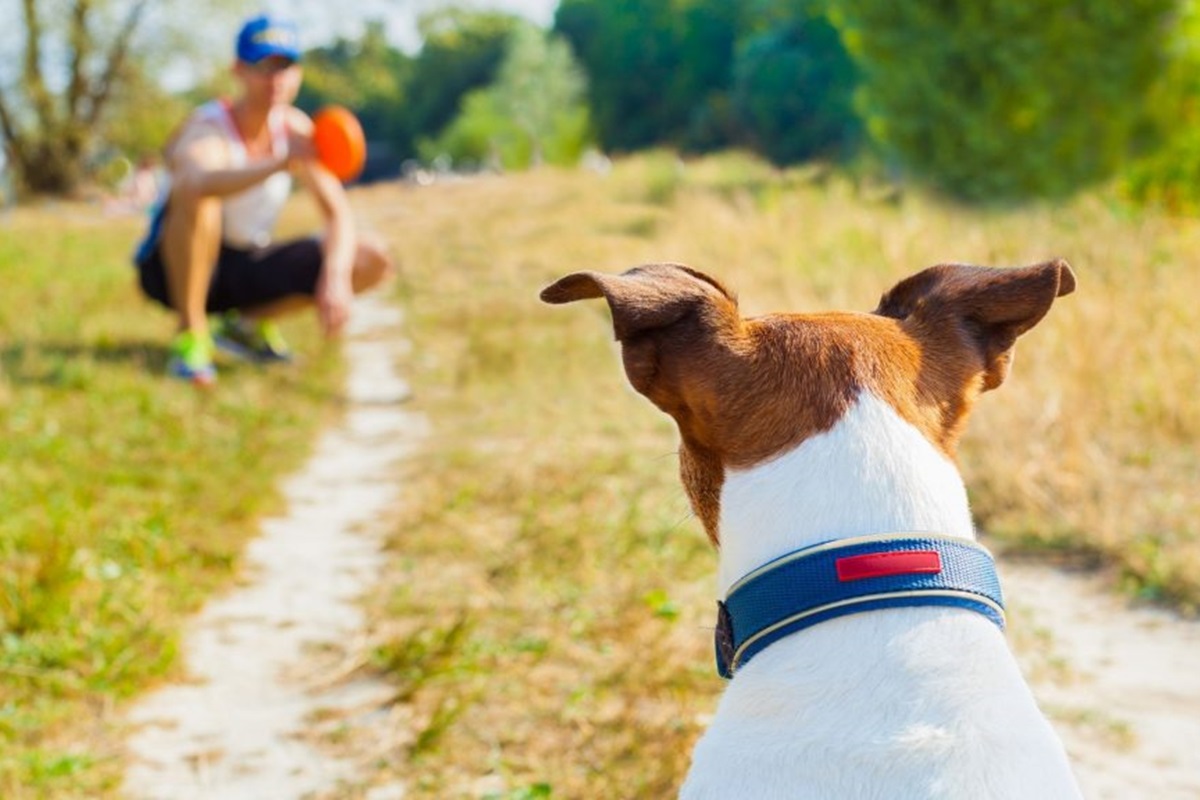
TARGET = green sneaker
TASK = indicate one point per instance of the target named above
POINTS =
(192, 359)
(259, 342)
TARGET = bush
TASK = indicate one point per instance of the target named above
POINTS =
(1169, 176)
(533, 113)
(1001, 100)
(793, 92)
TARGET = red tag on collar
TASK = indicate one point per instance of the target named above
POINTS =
(881, 565)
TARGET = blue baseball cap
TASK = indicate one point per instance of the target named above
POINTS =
(265, 36)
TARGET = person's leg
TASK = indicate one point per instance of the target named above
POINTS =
(191, 241)
(270, 282)
(178, 271)
(277, 281)
(372, 265)
(252, 287)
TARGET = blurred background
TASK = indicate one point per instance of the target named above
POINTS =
(985, 102)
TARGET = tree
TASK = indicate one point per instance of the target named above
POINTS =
(140, 118)
(67, 64)
(46, 135)
(1168, 173)
(462, 51)
(534, 112)
(793, 88)
(653, 66)
(1000, 100)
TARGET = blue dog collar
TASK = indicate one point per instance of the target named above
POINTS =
(847, 576)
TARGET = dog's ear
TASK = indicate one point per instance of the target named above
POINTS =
(986, 306)
(678, 330)
(642, 299)
(664, 315)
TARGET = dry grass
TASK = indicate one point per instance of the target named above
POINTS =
(549, 603)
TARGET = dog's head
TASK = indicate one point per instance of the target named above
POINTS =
(745, 390)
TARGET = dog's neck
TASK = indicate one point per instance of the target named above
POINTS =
(873, 472)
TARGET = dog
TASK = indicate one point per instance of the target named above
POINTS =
(861, 623)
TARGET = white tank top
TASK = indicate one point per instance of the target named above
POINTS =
(248, 217)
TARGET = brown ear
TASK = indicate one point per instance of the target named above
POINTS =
(642, 299)
(663, 315)
(990, 307)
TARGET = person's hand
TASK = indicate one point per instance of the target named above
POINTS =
(300, 148)
(333, 303)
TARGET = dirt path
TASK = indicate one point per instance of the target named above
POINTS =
(1122, 684)
(260, 657)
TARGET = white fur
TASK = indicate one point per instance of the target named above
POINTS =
(872, 473)
(917, 703)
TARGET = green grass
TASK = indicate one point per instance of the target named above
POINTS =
(544, 525)
(125, 497)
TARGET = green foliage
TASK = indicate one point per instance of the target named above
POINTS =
(141, 117)
(708, 32)
(653, 66)
(793, 91)
(533, 113)
(703, 75)
(476, 136)
(538, 791)
(1001, 100)
(462, 51)
(1169, 175)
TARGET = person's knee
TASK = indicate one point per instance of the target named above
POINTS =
(185, 196)
(373, 264)
(190, 213)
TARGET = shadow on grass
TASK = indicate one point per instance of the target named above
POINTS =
(58, 363)
(70, 365)
(1135, 578)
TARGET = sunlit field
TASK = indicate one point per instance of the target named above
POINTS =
(547, 616)
(125, 498)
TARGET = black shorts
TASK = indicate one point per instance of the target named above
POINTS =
(245, 278)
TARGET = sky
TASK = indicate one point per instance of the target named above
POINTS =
(322, 21)
(327, 19)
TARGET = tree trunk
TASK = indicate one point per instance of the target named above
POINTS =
(48, 153)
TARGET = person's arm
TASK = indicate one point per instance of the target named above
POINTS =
(198, 159)
(334, 287)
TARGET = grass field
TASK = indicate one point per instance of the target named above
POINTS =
(125, 498)
(548, 613)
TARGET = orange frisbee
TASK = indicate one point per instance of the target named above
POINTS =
(340, 143)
